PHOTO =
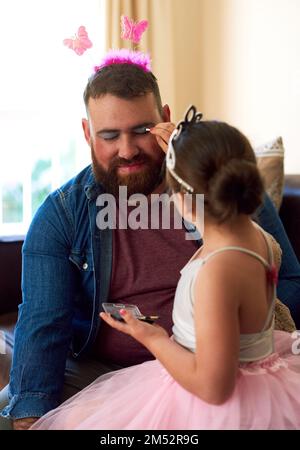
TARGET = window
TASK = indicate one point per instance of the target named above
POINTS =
(41, 86)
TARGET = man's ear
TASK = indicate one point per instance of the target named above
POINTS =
(86, 130)
(166, 114)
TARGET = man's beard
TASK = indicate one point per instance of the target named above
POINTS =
(144, 182)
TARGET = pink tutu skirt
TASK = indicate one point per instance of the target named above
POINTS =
(146, 397)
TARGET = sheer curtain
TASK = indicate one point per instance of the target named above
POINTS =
(41, 106)
(174, 41)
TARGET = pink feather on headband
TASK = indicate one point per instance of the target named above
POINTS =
(125, 56)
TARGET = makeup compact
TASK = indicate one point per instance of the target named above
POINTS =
(114, 310)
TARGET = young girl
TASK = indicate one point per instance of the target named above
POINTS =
(224, 366)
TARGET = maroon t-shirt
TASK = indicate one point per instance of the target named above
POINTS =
(145, 272)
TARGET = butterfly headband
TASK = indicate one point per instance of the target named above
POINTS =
(131, 31)
(191, 117)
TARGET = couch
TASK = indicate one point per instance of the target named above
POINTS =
(10, 262)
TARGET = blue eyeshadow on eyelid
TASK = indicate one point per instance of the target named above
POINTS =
(109, 136)
(141, 130)
(113, 135)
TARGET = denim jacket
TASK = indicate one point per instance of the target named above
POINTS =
(67, 263)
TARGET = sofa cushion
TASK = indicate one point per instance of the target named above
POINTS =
(10, 270)
(270, 161)
(283, 318)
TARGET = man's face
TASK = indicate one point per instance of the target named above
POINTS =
(123, 154)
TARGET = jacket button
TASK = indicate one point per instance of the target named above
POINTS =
(85, 266)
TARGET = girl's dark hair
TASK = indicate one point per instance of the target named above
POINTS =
(217, 160)
(125, 81)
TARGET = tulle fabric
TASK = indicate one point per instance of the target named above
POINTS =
(266, 396)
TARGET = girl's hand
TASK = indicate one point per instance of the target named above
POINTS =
(163, 131)
(143, 332)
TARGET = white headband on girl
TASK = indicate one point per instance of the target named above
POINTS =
(191, 117)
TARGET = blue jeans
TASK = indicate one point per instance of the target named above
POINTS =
(288, 289)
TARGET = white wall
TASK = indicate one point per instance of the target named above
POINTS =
(250, 57)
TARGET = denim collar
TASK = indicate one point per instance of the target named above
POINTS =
(91, 188)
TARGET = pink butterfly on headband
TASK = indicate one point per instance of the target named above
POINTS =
(131, 30)
(80, 42)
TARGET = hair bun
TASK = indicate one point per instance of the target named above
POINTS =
(236, 188)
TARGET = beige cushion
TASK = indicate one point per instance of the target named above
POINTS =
(283, 318)
(270, 161)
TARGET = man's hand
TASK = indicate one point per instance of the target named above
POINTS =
(24, 424)
(163, 131)
(143, 332)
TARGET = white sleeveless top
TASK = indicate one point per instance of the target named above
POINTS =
(253, 346)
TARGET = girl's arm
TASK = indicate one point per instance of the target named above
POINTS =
(209, 373)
